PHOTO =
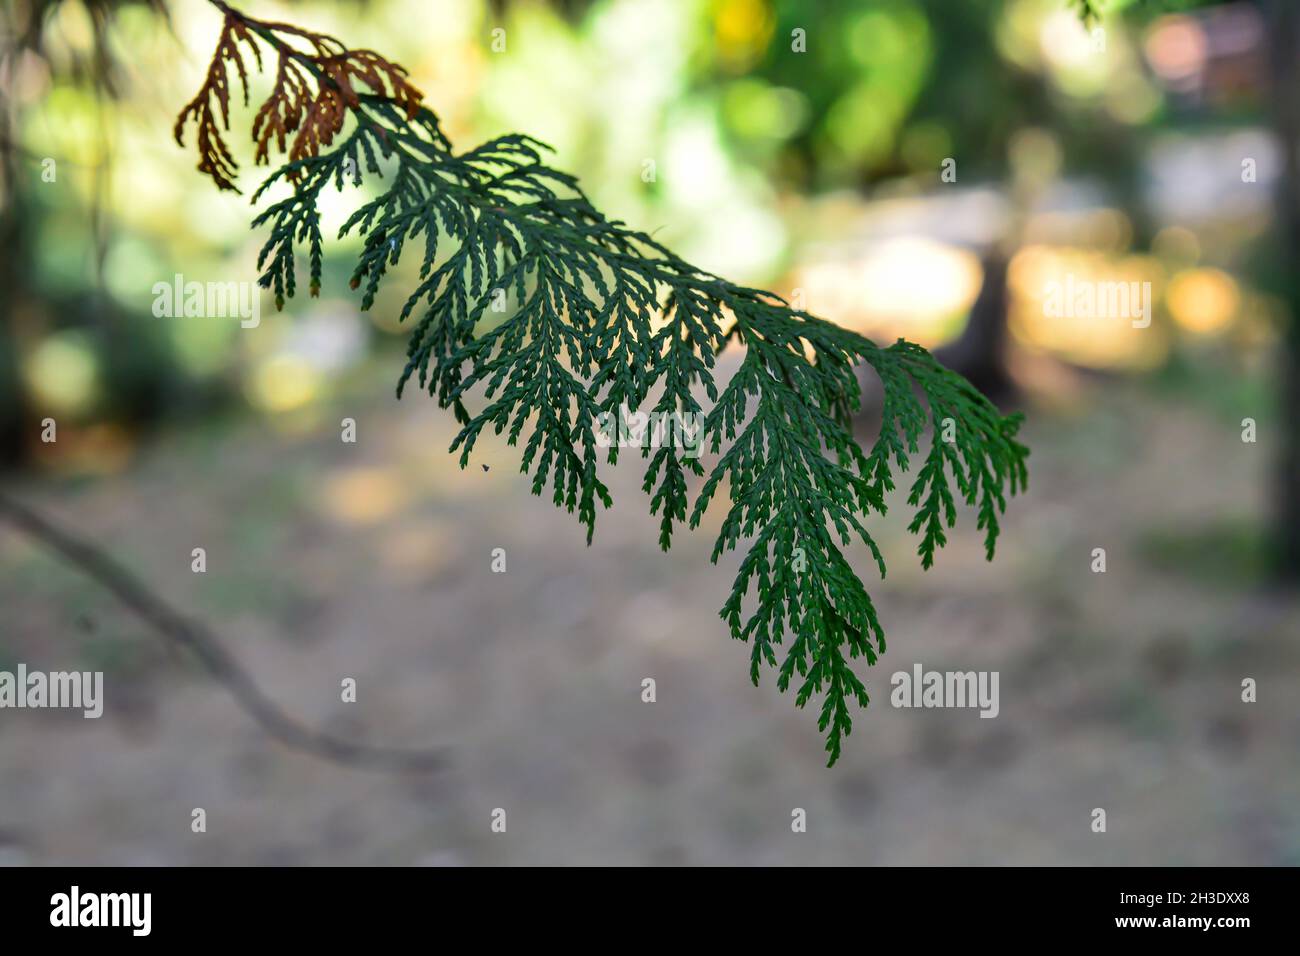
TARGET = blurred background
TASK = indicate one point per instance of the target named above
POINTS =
(916, 168)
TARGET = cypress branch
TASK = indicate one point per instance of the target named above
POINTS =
(604, 317)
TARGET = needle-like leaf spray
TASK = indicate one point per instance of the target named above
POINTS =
(604, 318)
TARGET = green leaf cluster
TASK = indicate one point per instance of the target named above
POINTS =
(602, 317)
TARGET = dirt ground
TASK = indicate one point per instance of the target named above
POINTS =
(373, 561)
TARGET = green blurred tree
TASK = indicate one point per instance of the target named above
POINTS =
(139, 371)
(1278, 260)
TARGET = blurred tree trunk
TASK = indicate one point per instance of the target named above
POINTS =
(980, 351)
(1282, 19)
(14, 274)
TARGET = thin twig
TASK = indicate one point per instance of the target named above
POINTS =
(198, 639)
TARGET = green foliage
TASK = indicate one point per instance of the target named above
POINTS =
(603, 317)
(1089, 10)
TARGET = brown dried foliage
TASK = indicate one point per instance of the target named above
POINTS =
(315, 88)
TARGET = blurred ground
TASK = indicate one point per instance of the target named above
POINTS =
(328, 560)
